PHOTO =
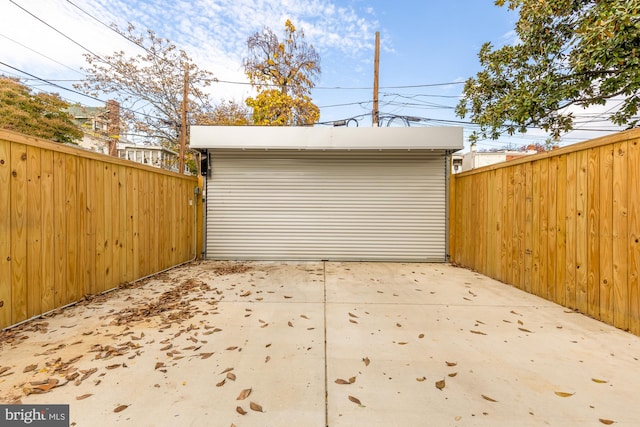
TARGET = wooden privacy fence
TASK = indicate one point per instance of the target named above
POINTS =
(563, 225)
(73, 223)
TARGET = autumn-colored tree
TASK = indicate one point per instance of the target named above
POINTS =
(283, 72)
(568, 52)
(226, 113)
(149, 86)
(42, 114)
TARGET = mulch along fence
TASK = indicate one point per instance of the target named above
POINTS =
(74, 223)
(563, 225)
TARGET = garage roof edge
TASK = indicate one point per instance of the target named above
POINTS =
(326, 138)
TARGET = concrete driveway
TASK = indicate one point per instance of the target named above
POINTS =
(323, 344)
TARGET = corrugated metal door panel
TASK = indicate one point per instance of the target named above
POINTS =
(312, 205)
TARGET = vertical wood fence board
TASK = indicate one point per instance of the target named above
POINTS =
(5, 232)
(18, 206)
(570, 231)
(535, 236)
(60, 231)
(552, 255)
(633, 274)
(620, 237)
(48, 231)
(606, 234)
(481, 219)
(99, 284)
(561, 227)
(502, 231)
(544, 227)
(451, 256)
(115, 227)
(129, 229)
(510, 226)
(34, 232)
(135, 207)
(107, 242)
(122, 229)
(91, 228)
(82, 208)
(494, 224)
(72, 233)
(593, 260)
(582, 231)
(528, 227)
(521, 221)
(144, 225)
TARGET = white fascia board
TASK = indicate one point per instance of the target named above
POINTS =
(326, 138)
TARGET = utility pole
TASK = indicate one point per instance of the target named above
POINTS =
(375, 118)
(183, 122)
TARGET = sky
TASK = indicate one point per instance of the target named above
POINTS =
(428, 49)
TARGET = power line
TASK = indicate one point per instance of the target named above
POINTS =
(75, 91)
(54, 29)
(41, 54)
(140, 45)
(51, 83)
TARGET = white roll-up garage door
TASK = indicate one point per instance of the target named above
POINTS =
(326, 205)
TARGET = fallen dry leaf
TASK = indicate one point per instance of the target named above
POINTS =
(595, 380)
(120, 408)
(235, 347)
(84, 396)
(221, 383)
(352, 321)
(159, 365)
(226, 370)
(353, 315)
(266, 359)
(403, 343)
(231, 376)
(440, 384)
(355, 400)
(255, 407)
(605, 421)
(29, 368)
(477, 332)
(421, 336)
(421, 379)
(341, 381)
(303, 316)
(451, 363)
(205, 355)
(564, 394)
(290, 324)
(452, 374)
(366, 361)
(525, 330)
(488, 398)
(240, 410)
(244, 394)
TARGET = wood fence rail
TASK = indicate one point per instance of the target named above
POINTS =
(563, 225)
(73, 223)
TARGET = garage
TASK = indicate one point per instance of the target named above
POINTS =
(340, 194)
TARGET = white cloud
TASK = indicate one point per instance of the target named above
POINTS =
(213, 32)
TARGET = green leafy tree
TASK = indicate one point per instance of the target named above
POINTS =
(152, 83)
(284, 72)
(42, 114)
(568, 53)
